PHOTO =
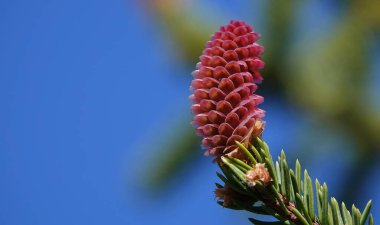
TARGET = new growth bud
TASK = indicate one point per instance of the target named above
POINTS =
(258, 173)
(226, 194)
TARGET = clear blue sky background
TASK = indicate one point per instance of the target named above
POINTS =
(82, 83)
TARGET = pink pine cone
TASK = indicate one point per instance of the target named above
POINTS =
(224, 104)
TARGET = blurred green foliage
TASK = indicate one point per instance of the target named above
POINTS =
(326, 75)
(180, 150)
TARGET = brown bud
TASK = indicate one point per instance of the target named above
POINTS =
(258, 173)
(226, 194)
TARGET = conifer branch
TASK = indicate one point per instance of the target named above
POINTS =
(227, 117)
(286, 196)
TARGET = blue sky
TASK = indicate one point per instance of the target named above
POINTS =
(81, 83)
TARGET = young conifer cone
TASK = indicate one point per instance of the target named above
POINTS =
(224, 104)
